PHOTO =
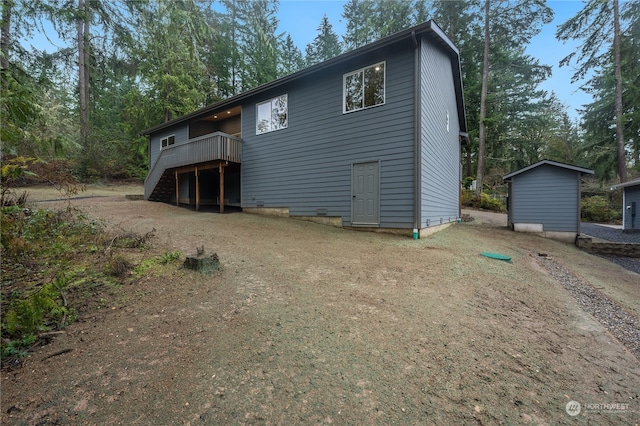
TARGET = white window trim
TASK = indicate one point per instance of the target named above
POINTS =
(361, 70)
(166, 138)
(270, 101)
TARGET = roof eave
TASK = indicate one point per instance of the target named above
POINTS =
(582, 170)
(626, 184)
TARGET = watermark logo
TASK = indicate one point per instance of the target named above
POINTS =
(573, 408)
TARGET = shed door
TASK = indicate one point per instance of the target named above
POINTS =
(365, 191)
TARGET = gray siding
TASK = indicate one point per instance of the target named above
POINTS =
(308, 165)
(181, 133)
(440, 148)
(631, 194)
(547, 195)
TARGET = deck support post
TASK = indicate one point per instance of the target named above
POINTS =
(197, 190)
(221, 170)
(177, 189)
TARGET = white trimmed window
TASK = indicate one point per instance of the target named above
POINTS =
(272, 115)
(168, 141)
(364, 88)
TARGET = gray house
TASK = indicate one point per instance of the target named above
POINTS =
(630, 204)
(544, 198)
(368, 139)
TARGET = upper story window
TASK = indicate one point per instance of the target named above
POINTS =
(272, 115)
(169, 140)
(364, 88)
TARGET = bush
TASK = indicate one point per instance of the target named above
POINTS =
(467, 182)
(118, 266)
(485, 201)
(597, 209)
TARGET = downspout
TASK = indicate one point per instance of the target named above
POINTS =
(416, 139)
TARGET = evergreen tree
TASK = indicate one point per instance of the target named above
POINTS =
(359, 31)
(168, 53)
(599, 115)
(229, 61)
(325, 46)
(391, 16)
(563, 140)
(258, 43)
(463, 25)
(508, 25)
(422, 11)
(291, 57)
(598, 26)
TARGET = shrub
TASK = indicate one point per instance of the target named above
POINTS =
(38, 310)
(467, 198)
(118, 266)
(13, 169)
(485, 201)
(467, 182)
(596, 209)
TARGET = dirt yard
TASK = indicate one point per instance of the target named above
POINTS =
(308, 323)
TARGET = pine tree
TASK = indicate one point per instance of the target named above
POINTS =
(291, 57)
(325, 46)
(507, 25)
(255, 24)
(359, 32)
(598, 26)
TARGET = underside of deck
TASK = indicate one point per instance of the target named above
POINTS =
(212, 183)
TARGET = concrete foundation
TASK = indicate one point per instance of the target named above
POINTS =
(425, 232)
(337, 222)
(538, 229)
(268, 211)
(535, 228)
(324, 220)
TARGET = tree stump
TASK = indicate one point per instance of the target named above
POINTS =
(203, 263)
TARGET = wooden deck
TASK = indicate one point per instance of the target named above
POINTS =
(213, 151)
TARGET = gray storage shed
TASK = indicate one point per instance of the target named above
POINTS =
(544, 198)
(630, 204)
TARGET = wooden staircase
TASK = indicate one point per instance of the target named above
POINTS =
(165, 189)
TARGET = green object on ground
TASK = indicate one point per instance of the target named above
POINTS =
(497, 256)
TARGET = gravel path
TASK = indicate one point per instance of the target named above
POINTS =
(614, 235)
(624, 326)
(608, 233)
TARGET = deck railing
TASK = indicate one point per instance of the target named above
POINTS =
(214, 146)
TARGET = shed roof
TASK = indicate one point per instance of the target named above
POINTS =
(632, 182)
(429, 28)
(550, 163)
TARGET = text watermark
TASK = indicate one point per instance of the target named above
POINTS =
(574, 408)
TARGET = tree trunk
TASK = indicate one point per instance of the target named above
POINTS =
(621, 162)
(483, 103)
(167, 97)
(82, 25)
(467, 167)
(7, 9)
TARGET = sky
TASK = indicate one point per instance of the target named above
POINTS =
(301, 19)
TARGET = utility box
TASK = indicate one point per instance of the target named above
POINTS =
(630, 204)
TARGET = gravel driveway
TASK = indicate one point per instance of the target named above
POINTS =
(609, 233)
(617, 236)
